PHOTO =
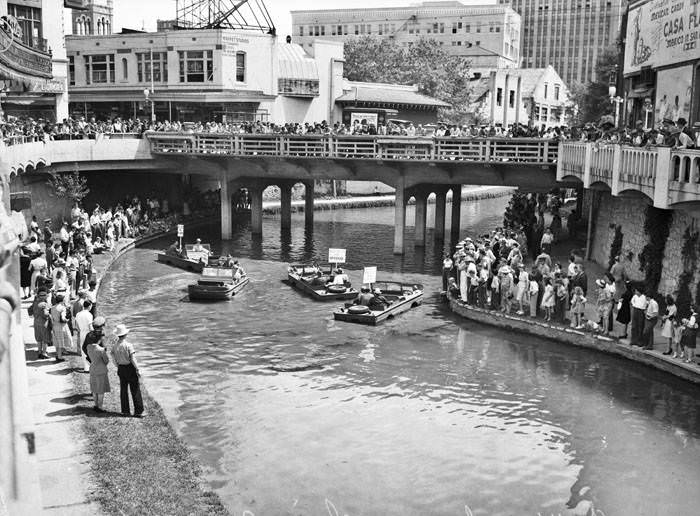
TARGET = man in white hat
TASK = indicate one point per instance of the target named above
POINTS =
(128, 371)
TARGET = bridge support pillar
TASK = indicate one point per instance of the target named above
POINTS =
(309, 203)
(440, 216)
(286, 205)
(256, 209)
(226, 214)
(421, 212)
(399, 219)
(456, 211)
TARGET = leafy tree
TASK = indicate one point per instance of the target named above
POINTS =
(592, 98)
(424, 63)
(71, 187)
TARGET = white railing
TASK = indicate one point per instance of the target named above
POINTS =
(393, 148)
(667, 176)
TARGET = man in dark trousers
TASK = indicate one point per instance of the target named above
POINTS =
(128, 371)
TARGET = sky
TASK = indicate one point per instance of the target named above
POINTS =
(136, 14)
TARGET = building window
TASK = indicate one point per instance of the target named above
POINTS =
(196, 66)
(301, 30)
(29, 19)
(556, 92)
(467, 28)
(125, 69)
(99, 69)
(454, 27)
(478, 26)
(546, 90)
(511, 98)
(499, 96)
(240, 66)
(159, 67)
(357, 30)
(442, 28)
(71, 70)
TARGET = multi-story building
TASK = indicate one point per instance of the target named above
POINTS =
(33, 64)
(567, 34)
(487, 35)
(197, 74)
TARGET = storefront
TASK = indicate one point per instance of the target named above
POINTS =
(662, 62)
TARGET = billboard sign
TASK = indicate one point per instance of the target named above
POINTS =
(661, 33)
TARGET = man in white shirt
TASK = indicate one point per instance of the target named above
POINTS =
(651, 317)
(639, 306)
(340, 277)
(83, 324)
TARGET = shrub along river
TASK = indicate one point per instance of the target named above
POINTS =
(289, 411)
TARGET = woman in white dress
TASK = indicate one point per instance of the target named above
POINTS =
(668, 318)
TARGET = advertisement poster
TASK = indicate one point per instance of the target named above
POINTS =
(662, 32)
(673, 93)
(364, 118)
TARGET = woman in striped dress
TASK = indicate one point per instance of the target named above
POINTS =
(61, 332)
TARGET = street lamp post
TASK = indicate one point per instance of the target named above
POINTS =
(616, 100)
(648, 109)
(147, 93)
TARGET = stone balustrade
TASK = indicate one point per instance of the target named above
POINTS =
(667, 177)
(514, 151)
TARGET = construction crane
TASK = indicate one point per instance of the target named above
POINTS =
(224, 14)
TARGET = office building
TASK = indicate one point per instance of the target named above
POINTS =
(487, 35)
(567, 34)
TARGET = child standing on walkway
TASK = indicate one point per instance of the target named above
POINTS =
(548, 300)
(534, 291)
(578, 307)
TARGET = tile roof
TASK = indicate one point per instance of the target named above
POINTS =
(383, 95)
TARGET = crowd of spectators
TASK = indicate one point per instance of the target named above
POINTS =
(668, 133)
(490, 272)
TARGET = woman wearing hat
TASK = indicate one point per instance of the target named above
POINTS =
(61, 334)
(99, 379)
(42, 334)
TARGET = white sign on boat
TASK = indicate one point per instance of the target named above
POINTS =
(336, 255)
(369, 275)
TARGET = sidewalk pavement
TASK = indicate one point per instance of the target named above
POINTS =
(62, 459)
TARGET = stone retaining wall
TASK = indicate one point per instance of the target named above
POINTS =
(539, 328)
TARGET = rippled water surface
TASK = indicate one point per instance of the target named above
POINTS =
(287, 409)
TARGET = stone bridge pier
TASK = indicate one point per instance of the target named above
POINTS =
(255, 188)
(421, 193)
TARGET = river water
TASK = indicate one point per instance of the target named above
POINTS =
(290, 412)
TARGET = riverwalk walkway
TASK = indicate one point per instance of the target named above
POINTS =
(564, 334)
(469, 193)
(61, 444)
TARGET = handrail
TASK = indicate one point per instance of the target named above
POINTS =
(370, 147)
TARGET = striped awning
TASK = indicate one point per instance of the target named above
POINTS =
(294, 63)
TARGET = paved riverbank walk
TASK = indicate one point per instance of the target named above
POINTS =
(564, 334)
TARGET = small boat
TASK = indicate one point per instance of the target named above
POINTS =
(401, 297)
(216, 284)
(193, 261)
(306, 279)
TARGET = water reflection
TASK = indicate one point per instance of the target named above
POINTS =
(286, 408)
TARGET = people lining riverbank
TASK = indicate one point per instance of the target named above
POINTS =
(100, 462)
(557, 295)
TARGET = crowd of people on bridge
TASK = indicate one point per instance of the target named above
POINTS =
(670, 133)
(493, 272)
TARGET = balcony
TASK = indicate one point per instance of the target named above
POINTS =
(668, 177)
(24, 62)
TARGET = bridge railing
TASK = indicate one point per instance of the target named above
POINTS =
(666, 176)
(394, 148)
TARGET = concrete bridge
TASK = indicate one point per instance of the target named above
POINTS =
(665, 177)
(415, 167)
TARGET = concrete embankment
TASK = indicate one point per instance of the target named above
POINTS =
(540, 328)
(476, 193)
